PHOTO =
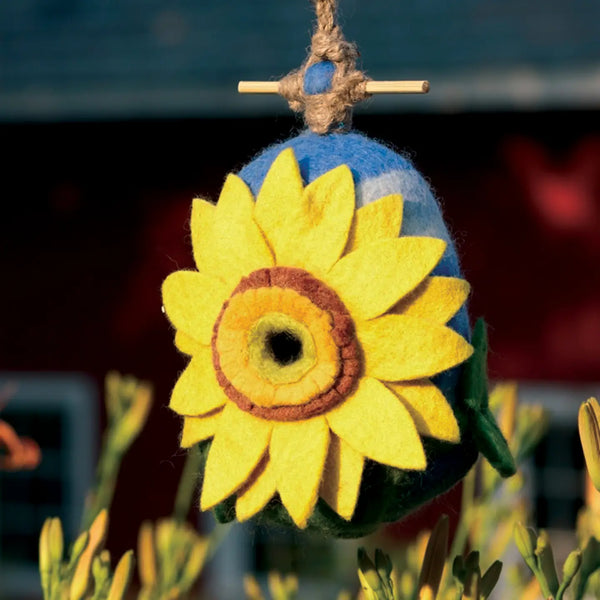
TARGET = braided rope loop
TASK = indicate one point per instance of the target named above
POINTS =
(330, 110)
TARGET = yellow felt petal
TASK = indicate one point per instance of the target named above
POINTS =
(186, 344)
(279, 200)
(201, 224)
(437, 299)
(306, 228)
(342, 477)
(376, 220)
(429, 408)
(297, 452)
(375, 277)
(378, 426)
(192, 302)
(401, 348)
(330, 203)
(254, 497)
(239, 444)
(233, 245)
(197, 390)
(198, 429)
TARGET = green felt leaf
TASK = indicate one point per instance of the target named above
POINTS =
(475, 384)
(484, 429)
(492, 445)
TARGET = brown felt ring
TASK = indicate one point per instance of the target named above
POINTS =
(342, 333)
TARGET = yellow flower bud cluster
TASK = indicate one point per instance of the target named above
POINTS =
(171, 556)
(128, 403)
(281, 587)
(375, 577)
(86, 573)
(537, 553)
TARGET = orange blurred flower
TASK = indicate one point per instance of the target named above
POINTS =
(16, 453)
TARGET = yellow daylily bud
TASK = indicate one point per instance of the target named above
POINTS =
(368, 576)
(134, 418)
(276, 586)
(101, 570)
(407, 584)
(525, 540)
(532, 424)
(369, 586)
(128, 387)
(194, 563)
(252, 589)
(545, 561)
(146, 555)
(435, 556)
(426, 593)
(56, 542)
(44, 558)
(291, 585)
(571, 566)
(504, 399)
(78, 547)
(421, 546)
(589, 434)
(122, 577)
(592, 496)
(81, 578)
(112, 383)
(165, 529)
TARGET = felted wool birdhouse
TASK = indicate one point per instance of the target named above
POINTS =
(333, 382)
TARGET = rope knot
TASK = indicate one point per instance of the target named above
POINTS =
(328, 84)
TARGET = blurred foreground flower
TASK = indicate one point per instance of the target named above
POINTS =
(537, 553)
(128, 402)
(281, 587)
(86, 572)
(589, 433)
(375, 578)
(16, 453)
(171, 556)
(171, 553)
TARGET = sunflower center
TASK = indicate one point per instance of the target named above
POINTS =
(281, 350)
(284, 346)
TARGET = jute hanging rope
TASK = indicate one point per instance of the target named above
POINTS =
(332, 109)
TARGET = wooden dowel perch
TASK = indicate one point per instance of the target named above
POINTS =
(373, 87)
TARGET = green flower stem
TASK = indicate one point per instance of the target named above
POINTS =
(187, 484)
(570, 569)
(461, 536)
(217, 535)
(106, 480)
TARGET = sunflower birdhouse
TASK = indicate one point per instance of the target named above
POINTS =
(332, 379)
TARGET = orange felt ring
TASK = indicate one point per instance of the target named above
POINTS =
(244, 353)
(322, 361)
